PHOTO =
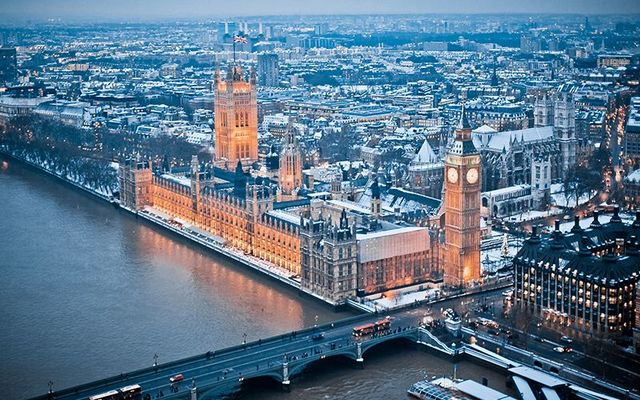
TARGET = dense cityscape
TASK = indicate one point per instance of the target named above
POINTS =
(458, 191)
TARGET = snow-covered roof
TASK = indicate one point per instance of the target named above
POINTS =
(484, 129)
(507, 190)
(503, 140)
(634, 176)
(426, 154)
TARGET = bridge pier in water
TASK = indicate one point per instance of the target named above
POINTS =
(359, 358)
(286, 383)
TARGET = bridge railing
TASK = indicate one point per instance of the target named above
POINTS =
(119, 378)
(301, 332)
(209, 355)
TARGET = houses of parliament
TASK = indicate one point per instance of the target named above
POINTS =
(337, 249)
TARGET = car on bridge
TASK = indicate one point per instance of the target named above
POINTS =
(317, 336)
(176, 378)
(566, 339)
(562, 349)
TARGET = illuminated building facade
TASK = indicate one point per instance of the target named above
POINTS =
(586, 278)
(336, 249)
(462, 208)
(290, 171)
(135, 179)
(241, 213)
(236, 119)
(329, 265)
(394, 258)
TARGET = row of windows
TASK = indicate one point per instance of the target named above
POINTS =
(232, 223)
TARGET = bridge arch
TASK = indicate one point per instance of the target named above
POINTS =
(402, 339)
(270, 381)
(297, 368)
(216, 390)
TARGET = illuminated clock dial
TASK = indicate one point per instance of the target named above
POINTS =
(472, 175)
(452, 175)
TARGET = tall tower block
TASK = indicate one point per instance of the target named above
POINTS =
(236, 119)
(462, 208)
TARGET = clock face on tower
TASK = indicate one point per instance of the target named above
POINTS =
(472, 175)
(452, 175)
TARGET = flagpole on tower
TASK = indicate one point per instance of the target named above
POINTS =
(237, 39)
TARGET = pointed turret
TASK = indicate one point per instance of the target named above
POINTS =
(344, 222)
(463, 145)
(195, 166)
(252, 76)
(375, 189)
(576, 225)
(463, 123)
(240, 181)
(216, 75)
(290, 176)
(375, 199)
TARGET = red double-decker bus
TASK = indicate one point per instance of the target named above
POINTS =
(378, 326)
(363, 330)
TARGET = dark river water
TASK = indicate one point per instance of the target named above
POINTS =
(87, 291)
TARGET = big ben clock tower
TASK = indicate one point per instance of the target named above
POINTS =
(462, 208)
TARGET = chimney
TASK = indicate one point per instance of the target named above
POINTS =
(616, 217)
(576, 224)
(534, 238)
(595, 223)
(584, 246)
(557, 236)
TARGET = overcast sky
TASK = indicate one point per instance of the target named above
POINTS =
(167, 9)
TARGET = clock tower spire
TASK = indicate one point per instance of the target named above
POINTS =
(462, 208)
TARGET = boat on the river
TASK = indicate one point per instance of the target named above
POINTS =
(437, 389)
(449, 389)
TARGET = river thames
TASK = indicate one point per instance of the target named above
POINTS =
(88, 292)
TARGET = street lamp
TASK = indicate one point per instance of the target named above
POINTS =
(455, 361)
(244, 338)
(316, 324)
(155, 360)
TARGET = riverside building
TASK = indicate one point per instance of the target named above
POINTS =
(337, 249)
(585, 278)
(236, 119)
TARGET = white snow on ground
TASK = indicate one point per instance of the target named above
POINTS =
(534, 214)
(559, 198)
(400, 297)
(491, 260)
(603, 219)
(51, 169)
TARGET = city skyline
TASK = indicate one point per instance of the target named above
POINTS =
(202, 9)
(198, 205)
